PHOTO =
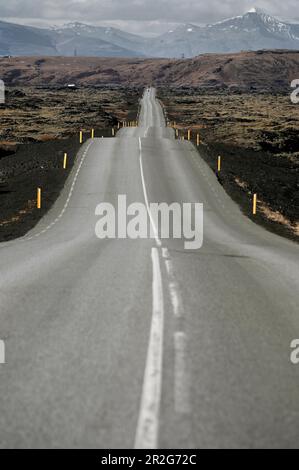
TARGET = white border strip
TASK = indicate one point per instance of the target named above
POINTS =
(26, 238)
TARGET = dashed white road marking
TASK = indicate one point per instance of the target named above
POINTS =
(148, 422)
(174, 290)
(182, 400)
(147, 432)
(182, 380)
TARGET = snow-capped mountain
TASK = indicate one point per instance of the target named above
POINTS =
(95, 40)
(255, 21)
(72, 38)
(252, 31)
(109, 34)
(24, 40)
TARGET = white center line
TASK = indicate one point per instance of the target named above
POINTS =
(147, 433)
(155, 230)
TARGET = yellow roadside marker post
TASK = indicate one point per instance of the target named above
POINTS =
(219, 164)
(65, 161)
(254, 209)
(39, 198)
(92, 133)
(183, 137)
(177, 132)
(81, 137)
(189, 134)
(197, 140)
(113, 132)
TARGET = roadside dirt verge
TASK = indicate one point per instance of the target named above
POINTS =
(32, 166)
(245, 172)
(256, 136)
(33, 145)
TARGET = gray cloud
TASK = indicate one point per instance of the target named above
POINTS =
(145, 13)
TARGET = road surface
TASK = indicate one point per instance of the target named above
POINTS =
(140, 343)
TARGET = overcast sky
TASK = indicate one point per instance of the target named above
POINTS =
(140, 16)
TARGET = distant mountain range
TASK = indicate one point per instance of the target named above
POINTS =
(254, 30)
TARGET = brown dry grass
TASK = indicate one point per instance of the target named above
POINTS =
(43, 115)
(234, 119)
(278, 217)
(271, 215)
(17, 218)
(257, 136)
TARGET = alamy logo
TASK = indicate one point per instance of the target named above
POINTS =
(159, 220)
(2, 352)
(2, 92)
(295, 93)
(294, 357)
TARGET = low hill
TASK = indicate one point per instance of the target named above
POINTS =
(245, 71)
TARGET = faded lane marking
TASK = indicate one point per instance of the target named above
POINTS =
(182, 400)
(174, 291)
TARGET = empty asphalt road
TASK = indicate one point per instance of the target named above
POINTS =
(141, 343)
